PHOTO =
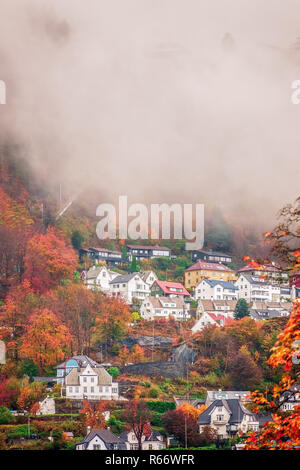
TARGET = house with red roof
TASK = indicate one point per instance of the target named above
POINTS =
(168, 289)
(208, 318)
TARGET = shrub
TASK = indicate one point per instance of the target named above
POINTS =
(5, 415)
(114, 371)
(161, 406)
(153, 392)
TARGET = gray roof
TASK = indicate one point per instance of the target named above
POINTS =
(123, 278)
(104, 378)
(106, 436)
(224, 284)
(254, 279)
(82, 360)
(258, 314)
(154, 436)
(233, 406)
(214, 253)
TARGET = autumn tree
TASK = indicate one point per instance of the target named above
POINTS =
(77, 308)
(14, 316)
(282, 431)
(112, 319)
(94, 416)
(30, 394)
(46, 341)
(15, 229)
(48, 260)
(138, 416)
(183, 425)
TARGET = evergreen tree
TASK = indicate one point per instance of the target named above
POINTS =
(241, 309)
(133, 265)
(124, 252)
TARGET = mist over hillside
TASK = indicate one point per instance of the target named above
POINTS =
(161, 101)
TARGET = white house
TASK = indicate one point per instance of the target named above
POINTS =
(228, 417)
(75, 362)
(153, 441)
(164, 307)
(99, 277)
(149, 277)
(207, 318)
(290, 398)
(101, 439)
(46, 407)
(129, 286)
(216, 290)
(91, 383)
(254, 288)
(226, 307)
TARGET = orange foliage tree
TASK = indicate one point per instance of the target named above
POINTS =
(48, 260)
(76, 307)
(191, 411)
(281, 432)
(20, 303)
(94, 417)
(46, 340)
(113, 316)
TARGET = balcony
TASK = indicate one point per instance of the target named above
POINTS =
(218, 422)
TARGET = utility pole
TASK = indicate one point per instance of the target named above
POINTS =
(185, 432)
(153, 341)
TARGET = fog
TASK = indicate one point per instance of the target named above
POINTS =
(145, 98)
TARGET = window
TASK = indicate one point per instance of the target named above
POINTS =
(100, 389)
(150, 447)
(96, 447)
(106, 389)
(84, 379)
(76, 389)
(92, 379)
(220, 417)
(92, 389)
(85, 389)
(70, 389)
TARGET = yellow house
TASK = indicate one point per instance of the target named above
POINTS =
(201, 270)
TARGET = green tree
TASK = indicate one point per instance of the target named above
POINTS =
(114, 371)
(133, 266)
(124, 252)
(241, 309)
(77, 239)
(5, 415)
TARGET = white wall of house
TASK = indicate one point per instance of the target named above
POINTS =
(218, 292)
(166, 309)
(204, 320)
(102, 280)
(132, 443)
(95, 444)
(135, 287)
(261, 291)
(90, 388)
(220, 420)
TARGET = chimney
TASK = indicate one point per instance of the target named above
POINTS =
(88, 430)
